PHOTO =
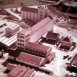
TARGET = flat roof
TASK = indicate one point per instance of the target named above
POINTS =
(8, 41)
(29, 9)
(24, 32)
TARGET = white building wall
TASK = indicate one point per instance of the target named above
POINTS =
(37, 35)
(36, 17)
(41, 13)
(19, 42)
(24, 14)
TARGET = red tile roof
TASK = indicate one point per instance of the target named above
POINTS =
(38, 47)
(31, 59)
(21, 71)
(52, 35)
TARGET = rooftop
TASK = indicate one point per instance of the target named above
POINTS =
(31, 59)
(39, 47)
(12, 26)
(8, 41)
(19, 71)
(24, 32)
(29, 9)
(52, 35)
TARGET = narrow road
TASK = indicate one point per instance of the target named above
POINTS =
(14, 14)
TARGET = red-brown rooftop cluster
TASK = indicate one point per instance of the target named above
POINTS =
(31, 59)
(38, 49)
(21, 71)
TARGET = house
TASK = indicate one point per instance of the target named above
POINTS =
(66, 44)
(51, 38)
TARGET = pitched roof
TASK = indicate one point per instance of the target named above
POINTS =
(29, 58)
(39, 47)
(52, 35)
(24, 32)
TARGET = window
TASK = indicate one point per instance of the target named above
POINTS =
(20, 40)
(19, 36)
(20, 44)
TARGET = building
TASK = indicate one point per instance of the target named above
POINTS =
(41, 28)
(66, 44)
(34, 33)
(22, 37)
(21, 71)
(6, 43)
(51, 38)
(38, 49)
(33, 14)
(31, 59)
(11, 29)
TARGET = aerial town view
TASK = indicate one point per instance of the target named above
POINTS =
(38, 38)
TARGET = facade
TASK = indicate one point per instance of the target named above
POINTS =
(7, 42)
(34, 33)
(38, 49)
(22, 37)
(40, 29)
(34, 14)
